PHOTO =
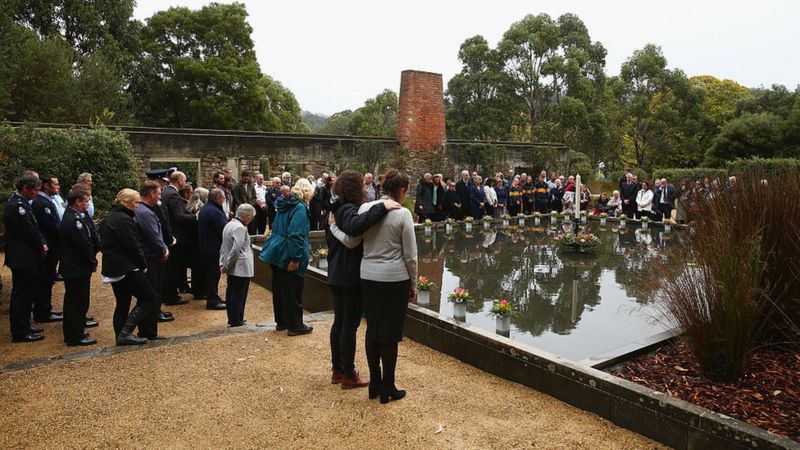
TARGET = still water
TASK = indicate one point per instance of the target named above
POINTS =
(612, 312)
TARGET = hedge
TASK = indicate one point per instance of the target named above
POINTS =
(692, 174)
(65, 154)
(762, 166)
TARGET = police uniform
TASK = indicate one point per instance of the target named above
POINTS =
(48, 219)
(24, 251)
(79, 246)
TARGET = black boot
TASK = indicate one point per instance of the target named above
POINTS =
(374, 362)
(126, 336)
(389, 361)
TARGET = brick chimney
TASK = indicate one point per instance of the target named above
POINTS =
(420, 122)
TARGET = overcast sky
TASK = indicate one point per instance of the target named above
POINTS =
(335, 54)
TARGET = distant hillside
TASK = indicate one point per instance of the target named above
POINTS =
(314, 121)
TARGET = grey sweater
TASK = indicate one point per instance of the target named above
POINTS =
(390, 247)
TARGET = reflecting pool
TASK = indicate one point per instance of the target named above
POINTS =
(584, 307)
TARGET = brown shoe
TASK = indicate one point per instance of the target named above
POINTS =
(354, 381)
(336, 377)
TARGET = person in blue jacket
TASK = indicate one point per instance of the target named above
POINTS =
(287, 252)
(478, 198)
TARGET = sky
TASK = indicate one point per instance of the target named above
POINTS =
(333, 55)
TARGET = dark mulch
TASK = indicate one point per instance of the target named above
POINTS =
(767, 395)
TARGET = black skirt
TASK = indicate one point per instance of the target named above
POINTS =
(385, 305)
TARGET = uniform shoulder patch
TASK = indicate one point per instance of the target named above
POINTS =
(78, 225)
(22, 211)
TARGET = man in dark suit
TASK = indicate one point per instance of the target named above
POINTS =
(664, 198)
(245, 192)
(167, 298)
(46, 213)
(628, 191)
(79, 246)
(210, 223)
(183, 227)
(462, 189)
(25, 248)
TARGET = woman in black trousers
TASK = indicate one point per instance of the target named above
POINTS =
(388, 281)
(124, 266)
(344, 260)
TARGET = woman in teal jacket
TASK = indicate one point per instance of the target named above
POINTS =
(287, 252)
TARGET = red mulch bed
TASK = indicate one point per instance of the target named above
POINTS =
(767, 395)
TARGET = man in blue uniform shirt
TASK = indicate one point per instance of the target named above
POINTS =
(25, 248)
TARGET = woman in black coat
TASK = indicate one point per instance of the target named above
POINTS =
(124, 266)
(345, 250)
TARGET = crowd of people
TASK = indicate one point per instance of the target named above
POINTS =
(439, 198)
(168, 238)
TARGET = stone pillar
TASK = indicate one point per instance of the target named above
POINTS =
(420, 121)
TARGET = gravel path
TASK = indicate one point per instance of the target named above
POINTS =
(257, 390)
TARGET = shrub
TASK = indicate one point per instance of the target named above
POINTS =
(762, 166)
(66, 153)
(698, 173)
(742, 286)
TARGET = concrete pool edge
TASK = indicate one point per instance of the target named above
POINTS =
(653, 414)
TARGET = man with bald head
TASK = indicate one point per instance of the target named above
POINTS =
(183, 226)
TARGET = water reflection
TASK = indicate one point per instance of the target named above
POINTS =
(574, 305)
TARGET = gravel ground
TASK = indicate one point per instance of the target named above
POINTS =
(256, 390)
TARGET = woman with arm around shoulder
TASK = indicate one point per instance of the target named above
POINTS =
(287, 252)
(388, 281)
(345, 249)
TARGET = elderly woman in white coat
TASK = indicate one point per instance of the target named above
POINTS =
(236, 260)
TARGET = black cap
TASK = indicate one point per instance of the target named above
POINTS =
(160, 174)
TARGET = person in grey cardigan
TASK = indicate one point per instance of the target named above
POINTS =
(155, 252)
(236, 260)
(388, 281)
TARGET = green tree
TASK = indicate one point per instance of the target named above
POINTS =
(749, 135)
(338, 123)
(198, 69)
(378, 116)
(315, 122)
(657, 106)
(283, 111)
(549, 62)
(481, 103)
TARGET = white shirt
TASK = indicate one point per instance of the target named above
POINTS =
(491, 195)
(261, 193)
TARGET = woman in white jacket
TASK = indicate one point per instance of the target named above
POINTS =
(644, 201)
(491, 197)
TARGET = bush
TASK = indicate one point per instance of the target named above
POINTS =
(762, 166)
(66, 153)
(693, 174)
(742, 286)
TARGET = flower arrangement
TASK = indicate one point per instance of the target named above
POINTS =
(428, 222)
(537, 214)
(603, 215)
(505, 217)
(583, 212)
(450, 221)
(502, 308)
(459, 295)
(669, 222)
(554, 213)
(321, 253)
(521, 215)
(468, 219)
(487, 218)
(645, 219)
(581, 241)
(425, 284)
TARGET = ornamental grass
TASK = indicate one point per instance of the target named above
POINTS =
(741, 288)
